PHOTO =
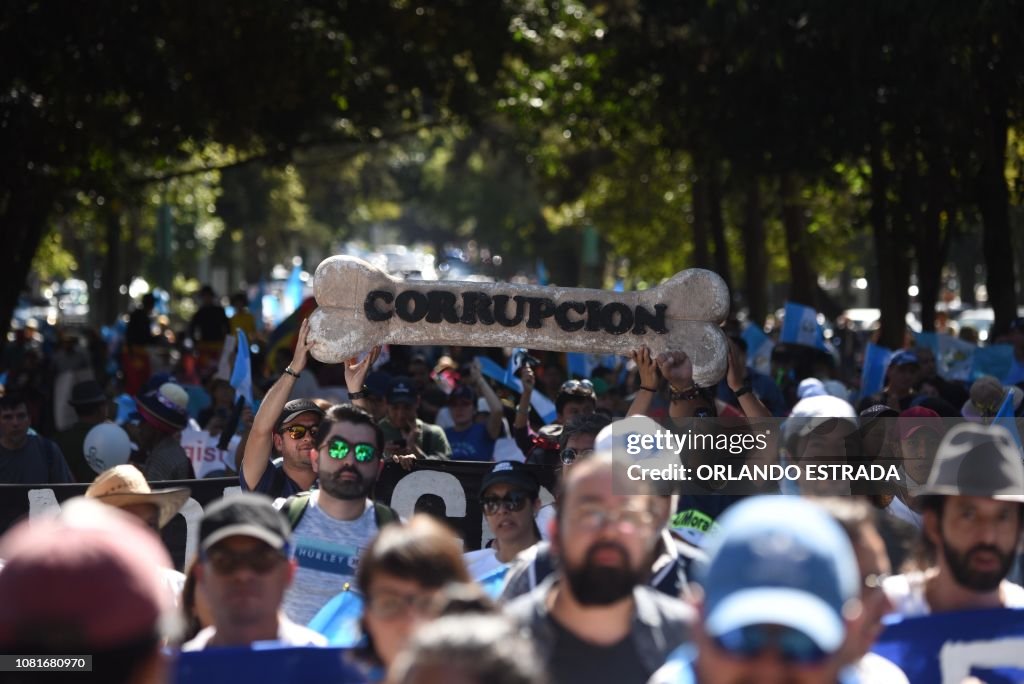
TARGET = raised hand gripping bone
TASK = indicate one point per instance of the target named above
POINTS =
(361, 306)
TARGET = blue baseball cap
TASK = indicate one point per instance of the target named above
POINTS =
(904, 358)
(779, 560)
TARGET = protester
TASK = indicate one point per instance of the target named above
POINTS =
(194, 606)
(399, 575)
(242, 319)
(284, 427)
(164, 415)
(781, 579)
(919, 432)
(952, 392)
(483, 649)
(901, 376)
(972, 521)
(858, 520)
(509, 497)
(334, 523)
(139, 332)
(375, 392)
(823, 430)
(27, 458)
(986, 398)
(125, 487)
(245, 567)
(406, 437)
(209, 326)
(594, 620)
(86, 582)
(575, 397)
(469, 439)
(90, 404)
(741, 380)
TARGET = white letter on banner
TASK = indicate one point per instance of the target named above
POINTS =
(42, 502)
(957, 658)
(414, 485)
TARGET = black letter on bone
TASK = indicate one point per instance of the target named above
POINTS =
(645, 318)
(419, 306)
(608, 318)
(562, 316)
(370, 306)
(500, 311)
(441, 305)
(540, 308)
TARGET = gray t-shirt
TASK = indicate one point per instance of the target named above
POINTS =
(328, 552)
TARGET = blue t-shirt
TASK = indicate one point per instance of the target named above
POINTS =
(471, 444)
(274, 482)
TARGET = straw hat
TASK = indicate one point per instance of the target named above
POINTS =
(125, 485)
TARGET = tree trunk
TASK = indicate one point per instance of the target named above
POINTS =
(108, 295)
(755, 266)
(701, 255)
(802, 279)
(23, 215)
(891, 253)
(993, 202)
(716, 222)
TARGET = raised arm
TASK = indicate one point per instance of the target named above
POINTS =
(260, 442)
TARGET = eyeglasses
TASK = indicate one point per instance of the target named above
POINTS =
(390, 606)
(794, 647)
(340, 449)
(592, 518)
(261, 560)
(512, 502)
(569, 456)
(297, 432)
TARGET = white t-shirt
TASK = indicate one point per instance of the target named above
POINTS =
(328, 553)
(482, 563)
(874, 669)
(906, 594)
(288, 634)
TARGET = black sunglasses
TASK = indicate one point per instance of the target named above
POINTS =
(297, 432)
(569, 456)
(512, 502)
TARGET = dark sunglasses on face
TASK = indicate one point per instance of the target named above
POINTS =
(793, 646)
(512, 502)
(261, 560)
(297, 432)
(340, 449)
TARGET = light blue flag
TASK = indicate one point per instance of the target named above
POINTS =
(801, 327)
(578, 365)
(1005, 417)
(540, 403)
(543, 277)
(339, 619)
(620, 286)
(293, 290)
(241, 374)
(872, 378)
(995, 360)
(759, 349)
(515, 362)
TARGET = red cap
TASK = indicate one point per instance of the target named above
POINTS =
(918, 418)
(90, 578)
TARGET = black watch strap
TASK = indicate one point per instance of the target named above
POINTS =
(745, 389)
(361, 394)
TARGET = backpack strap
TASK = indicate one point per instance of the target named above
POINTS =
(385, 515)
(294, 508)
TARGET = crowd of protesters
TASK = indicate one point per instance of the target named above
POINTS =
(605, 584)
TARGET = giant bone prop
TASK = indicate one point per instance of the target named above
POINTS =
(361, 306)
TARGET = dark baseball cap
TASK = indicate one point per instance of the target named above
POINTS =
(402, 391)
(378, 383)
(295, 408)
(510, 473)
(247, 515)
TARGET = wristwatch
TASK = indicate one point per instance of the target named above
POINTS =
(361, 394)
(745, 389)
(289, 371)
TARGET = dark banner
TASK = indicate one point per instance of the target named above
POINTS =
(445, 489)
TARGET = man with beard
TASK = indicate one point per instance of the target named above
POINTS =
(972, 508)
(333, 524)
(594, 620)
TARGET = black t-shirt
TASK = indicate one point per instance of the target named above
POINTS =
(581, 662)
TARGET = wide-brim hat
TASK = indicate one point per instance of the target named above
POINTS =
(166, 409)
(977, 460)
(125, 485)
(987, 395)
